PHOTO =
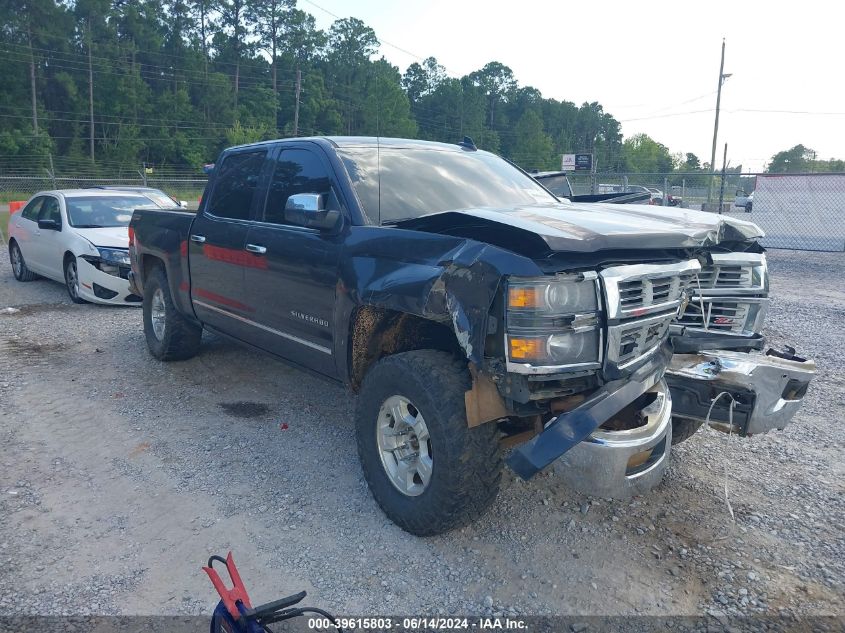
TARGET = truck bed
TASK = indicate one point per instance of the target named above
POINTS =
(162, 234)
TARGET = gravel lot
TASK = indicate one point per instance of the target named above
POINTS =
(121, 475)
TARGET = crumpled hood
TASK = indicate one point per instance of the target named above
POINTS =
(729, 227)
(108, 236)
(587, 227)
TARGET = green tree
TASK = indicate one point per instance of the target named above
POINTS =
(533, 147)
(270, 18)
(302, 39)
(800, 159)
(351, 44)
(496, 80)
(644, 154)
(691, 162)
(421, 80)
(795, 159)
(235, 20)
(169, 79)
(386, 111)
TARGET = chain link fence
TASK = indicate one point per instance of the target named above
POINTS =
(796, 211)
(15, 189)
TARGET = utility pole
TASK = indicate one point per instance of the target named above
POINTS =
(90, 93)
(52, 170)
(722, 184)
(722, 77)
(32, 81)
(296, 109)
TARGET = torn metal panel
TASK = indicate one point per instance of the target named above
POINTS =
(768, 389)
(687, 341)
(447, 279)
(568, 429)
(483, 402)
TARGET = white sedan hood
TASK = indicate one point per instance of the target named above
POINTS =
(108, 236)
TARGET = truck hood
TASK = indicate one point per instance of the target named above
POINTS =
(586, 228)
(729, 227)
(108, 236)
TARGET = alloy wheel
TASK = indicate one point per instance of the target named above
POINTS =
(404, 446)
(72, 279)
(158, 314)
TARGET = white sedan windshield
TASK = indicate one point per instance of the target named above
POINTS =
(94, 212)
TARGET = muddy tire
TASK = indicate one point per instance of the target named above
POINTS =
(21, 272)
(170, 336)
(683, 429)
(413, 403)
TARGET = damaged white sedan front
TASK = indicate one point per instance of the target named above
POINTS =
(79, 237)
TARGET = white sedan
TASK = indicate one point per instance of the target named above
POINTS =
(79, 237)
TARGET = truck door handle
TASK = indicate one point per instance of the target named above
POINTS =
(198, 238)
(255, 248)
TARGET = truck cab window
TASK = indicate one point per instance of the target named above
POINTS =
(296, 171)
(236, 183)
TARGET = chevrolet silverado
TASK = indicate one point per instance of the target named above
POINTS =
(480, 320)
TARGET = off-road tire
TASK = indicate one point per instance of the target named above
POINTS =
(21, 272)
(467, 462)
(181, 337)
(683, 429)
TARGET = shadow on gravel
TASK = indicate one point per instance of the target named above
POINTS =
(30, 348)
(244, 409)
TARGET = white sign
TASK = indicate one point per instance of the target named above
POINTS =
(567, 162)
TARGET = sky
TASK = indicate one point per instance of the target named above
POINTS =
(653, 65)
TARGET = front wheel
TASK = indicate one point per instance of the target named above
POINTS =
(426, 468)
(170, 336)
(72, 280)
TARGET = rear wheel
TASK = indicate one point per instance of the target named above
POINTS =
(426, 468)
(170, 336)
(21, 272)
(72, 280)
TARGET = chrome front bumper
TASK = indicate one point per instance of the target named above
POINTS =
(623, 463)
(768, 389)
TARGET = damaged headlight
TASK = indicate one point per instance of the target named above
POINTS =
(110, 260)
(114, 256)
(553, 322)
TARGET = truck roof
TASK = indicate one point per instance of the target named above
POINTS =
(366, 141)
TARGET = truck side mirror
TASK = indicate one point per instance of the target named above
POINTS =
(309, 209)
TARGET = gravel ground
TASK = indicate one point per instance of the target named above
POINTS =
(121, 475)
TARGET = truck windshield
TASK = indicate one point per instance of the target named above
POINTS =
(419, 181)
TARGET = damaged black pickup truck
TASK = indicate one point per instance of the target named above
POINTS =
(473, 312)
